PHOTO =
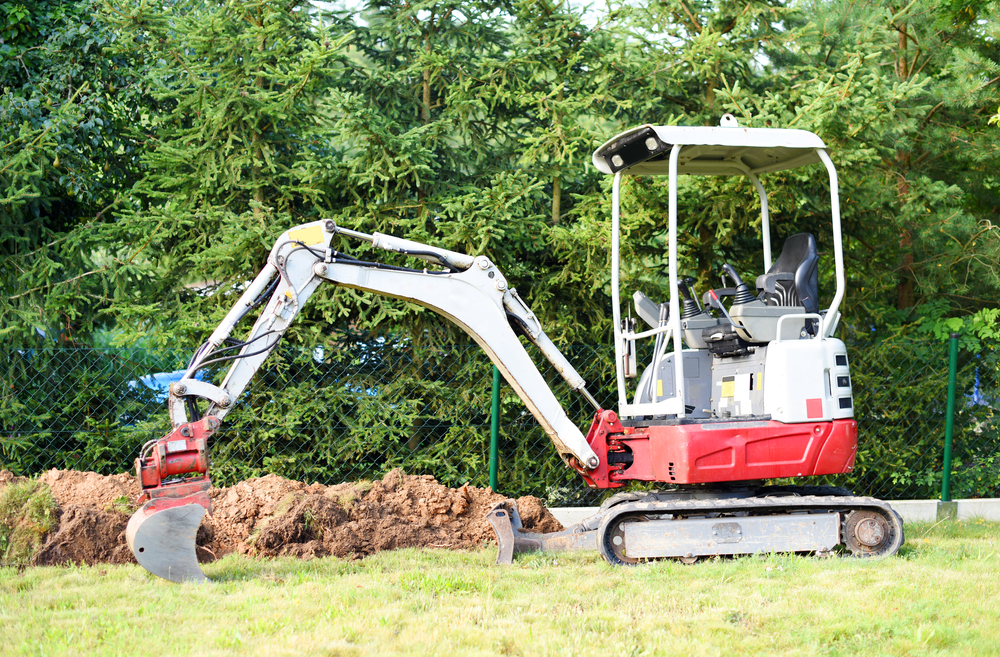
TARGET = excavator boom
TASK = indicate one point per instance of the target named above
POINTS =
(468, 290)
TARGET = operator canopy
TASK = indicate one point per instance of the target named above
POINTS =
(713, 151)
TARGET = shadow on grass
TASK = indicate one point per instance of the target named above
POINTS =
(278, 570)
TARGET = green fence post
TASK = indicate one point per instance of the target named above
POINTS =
(495, 429)
(949, 425)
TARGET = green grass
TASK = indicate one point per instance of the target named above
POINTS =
(941, 595)
(27, 513)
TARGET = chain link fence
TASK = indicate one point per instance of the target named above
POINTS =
(363, 407)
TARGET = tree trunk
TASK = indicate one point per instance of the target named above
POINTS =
(425, 109)
(556, 198)
(556, 179)
(905, 279)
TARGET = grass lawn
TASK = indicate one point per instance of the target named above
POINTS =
(940, 595)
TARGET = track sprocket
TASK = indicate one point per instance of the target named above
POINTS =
(868, 534)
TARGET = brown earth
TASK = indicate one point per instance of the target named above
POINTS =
(7, 477)
(272, 516)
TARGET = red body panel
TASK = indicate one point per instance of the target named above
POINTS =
(718, 451)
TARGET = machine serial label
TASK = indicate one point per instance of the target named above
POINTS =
(176, 446)
(729, 386)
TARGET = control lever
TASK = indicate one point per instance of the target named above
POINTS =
(691, 307)
(743, 293)
(629, 361)
(718, 304)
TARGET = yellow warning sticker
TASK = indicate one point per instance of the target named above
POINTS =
(760, 381)
(311, 235)
(729, 386)
(659, 388)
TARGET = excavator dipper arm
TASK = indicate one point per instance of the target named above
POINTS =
(470, 291)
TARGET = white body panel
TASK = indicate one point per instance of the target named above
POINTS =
(797, 381)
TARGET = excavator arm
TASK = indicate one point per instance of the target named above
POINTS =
(468, 290)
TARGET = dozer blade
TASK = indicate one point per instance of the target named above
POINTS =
(162, 537)
(511, 539)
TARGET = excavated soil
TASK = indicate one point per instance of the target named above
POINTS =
(7, 477)
(272, 516)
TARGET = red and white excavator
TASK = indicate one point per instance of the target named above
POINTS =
(731, 397)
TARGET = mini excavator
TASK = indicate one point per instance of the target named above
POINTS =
(731, 397)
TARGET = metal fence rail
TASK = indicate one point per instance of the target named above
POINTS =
(357, 410)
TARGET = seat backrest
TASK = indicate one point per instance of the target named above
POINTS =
(793, 279)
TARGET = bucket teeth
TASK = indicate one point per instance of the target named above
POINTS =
(163, 540)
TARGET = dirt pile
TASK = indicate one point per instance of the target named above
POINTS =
(7, 477)
(93, 512)
(272, 516)
(72, 487)
(86, 535)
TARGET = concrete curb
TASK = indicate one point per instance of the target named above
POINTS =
(910, 510)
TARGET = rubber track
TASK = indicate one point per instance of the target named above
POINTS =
(756, 506)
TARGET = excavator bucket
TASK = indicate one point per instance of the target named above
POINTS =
(173, 473)
(162, 536)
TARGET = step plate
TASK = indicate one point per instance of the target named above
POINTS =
(743, 535)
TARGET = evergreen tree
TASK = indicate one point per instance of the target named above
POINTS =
(693, 53)
(234, 158)
(66, 100)
(470, 125)
(902, 97)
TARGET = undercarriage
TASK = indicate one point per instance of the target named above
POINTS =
(689, 523)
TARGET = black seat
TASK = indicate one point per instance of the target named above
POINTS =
(793, 280)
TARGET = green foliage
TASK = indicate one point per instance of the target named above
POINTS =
(75, 408)
(233, 154)
(978, 476)
(355, 413)
(375, 404)
(121, 504)
(27, 513)
(469, 125)
(902, 97)
(358, 413)
(975, 331)
(66, 159)
(150, 154)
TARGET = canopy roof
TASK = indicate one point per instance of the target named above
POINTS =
(719, 151)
